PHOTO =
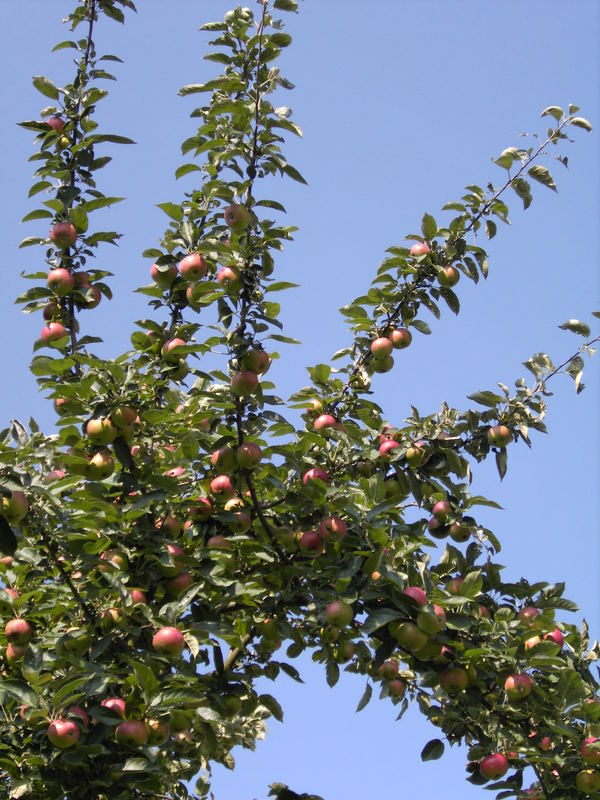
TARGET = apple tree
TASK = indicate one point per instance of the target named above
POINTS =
(184, 532)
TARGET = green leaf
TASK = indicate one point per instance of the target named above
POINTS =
(486, 398)
(379, 618)
(472, 585)
(45, 86)
(522, 190)
(542, 175)
(428, 226)
(421, 326)
(172, 210)
(40, 213)
(367, 694)
(269, 702)
(280, 285)
(576, 326)
(293, 173)
(184, 169)
(332, 673)
(286, 5)
(581, 122)
(490, 229)
(100, 202)
(501, 459)
(432, 750)
(553, 111)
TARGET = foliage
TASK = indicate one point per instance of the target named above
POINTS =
(178, 497)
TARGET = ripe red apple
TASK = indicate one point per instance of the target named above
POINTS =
(18, 631)
(499, 436)
(396, 688)
(229, 279)
(137, 597)
(163, 276)
(131, 733)
(556, 637)
(60, 281)
(588, 781)
(63, 733)
(167, 351)
(56, 123)
(453, 680)
(441, 510)
(52, 332)
(192, 267)
(256, 361)
(400, 338)
(459, 532)
(590, 751)
(388, 670)
(237, 217)
(248, 455)
(79, 712)
(201, 510)
(528, 615)
(415, 593)
(178, 556)
(168, 641)
(310, 542)
(419, 249)
(54, 475)
(387, 447)
(518, 686)
(158, 732)
(449, 276)
(339, 613)
(324, 422)
(332, 529)
(223, 459)
(316, 473)
(63, 234)
(15, 652)
(100, 466)
(222, 488)
(431, 619)
(381, 347)
(179, 584)
(494, 766)
(532, 642)
(244, 383)
(14, 507)
(220, 542)
(408, 635)
(116, 704)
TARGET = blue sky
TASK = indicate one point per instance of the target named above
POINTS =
(402, 104)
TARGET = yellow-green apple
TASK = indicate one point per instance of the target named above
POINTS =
(131, 733)
(100, 466)
(15, 652)
(60, 281)
(493, 766)
(14, 507)
(237, 217)
(431, 619)
(339, 613)
(453, 680)
(63, 733)
(242, 520)
(499, 435)
(63, 234)
(590, 751)
(100, 430)
(448, 276)
(123, 416)
(518, 686)
(408, 635)
(163, 276)
(415, 455)
(382, 365)
(588, 781)
(223, 459)
(192, 267)
(459, 531)
(244, 383)
(158, 732)
(256, 361)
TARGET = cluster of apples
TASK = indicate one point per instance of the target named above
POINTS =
(382, 347)
(447, 521)
(388, 443)
(447, 276)
(102, 431)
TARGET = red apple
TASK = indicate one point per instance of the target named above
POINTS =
(192, 267)
(454, 680)
(223, 459)
(167, 351)
(179, 584)
(339, 613)
(131, 733)
(15, 652)
(256, 361)
(400, 338)
(168, 641)
(18, 631)
(416, 594)
(63, 733)
(178, 556)
(387, 447)
(244, 383)
(310, 542)
(123, 416)
(138, 598)
(324, 422)
(437, 529)
(237, 217)
(248, 455)
(419, 249)
(556, 637)
(499, 436)
(590, 751)
(54, 475)
(220, 542)
(163, 276)
(79, 712)
(381, 347)
(56, 123)
(459, 532)
(494, 766)
(63, 234)
(388, 670)
(60, 281)
(229, 279)
(52, 332)
(441, 510)
(518, 686)
(332, 529)
(201, 510)
(222, 488)
(316, 473)
(14, 508)
(528, 615)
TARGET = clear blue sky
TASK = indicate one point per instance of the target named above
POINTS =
(402, 104)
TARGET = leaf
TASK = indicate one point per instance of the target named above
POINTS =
(184, 169)
(472, 584)
(364, 700)
(421, 326)
(379, 618)
(553, 111)
(286, 5)
(269, 702)
(40, 213)
(486, 398)
(172, 210)
(293, 173)
(501, 459)
(542, 175)
(332, 673)
(45, 86)
(581, 122)
(8, 541)
(433, 750)
(428, 226)
(490, 229)
(576, 326)
(522, 190)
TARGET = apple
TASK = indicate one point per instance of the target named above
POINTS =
(416, 594)
(15, 652)
(459, 532)
(381, 347)
(179, 584)
(316, 473)
(415, 455)
(588, 781)
(192, 267)
(339, 613)
(138, 598)
(177, 555)
(163, 276)
(63, 733)
(169, 523)
(400, 338)
(310, 542)
(419, 249)
(12, 593)
(332, 529)
(518, 686)
(223, 459)
(448, 276)
(52, 332)
(453, 680)
(431, 619)
(324, 422)
(556, 637)
(54, 475)
(590, 751)
(14, 508)
(116, 704)
(56, 123)
(493, 766)
(79, 712)
(176, 472)
(387, 447)
(499, 436)
(100, 466)
(115, 559)
(222, 488)
(201, 510)
(242, 517)
(158, 732)
(527, 615)
(237, 217)
(60, 281)
(100, 430)
(229, 279)
(532, 642)
(167, 351)
(18, 631)
(168, 641)
(220, 542)
(244, 383)
(51, 311)
(256, 361)
(408, 635)
(533, 793)
(248, 455)
(63, 235)
(441, 510)
(131, 733)
(388, 670)
(123, 416)
(382, 365)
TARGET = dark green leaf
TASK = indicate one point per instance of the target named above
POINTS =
(432, 750)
